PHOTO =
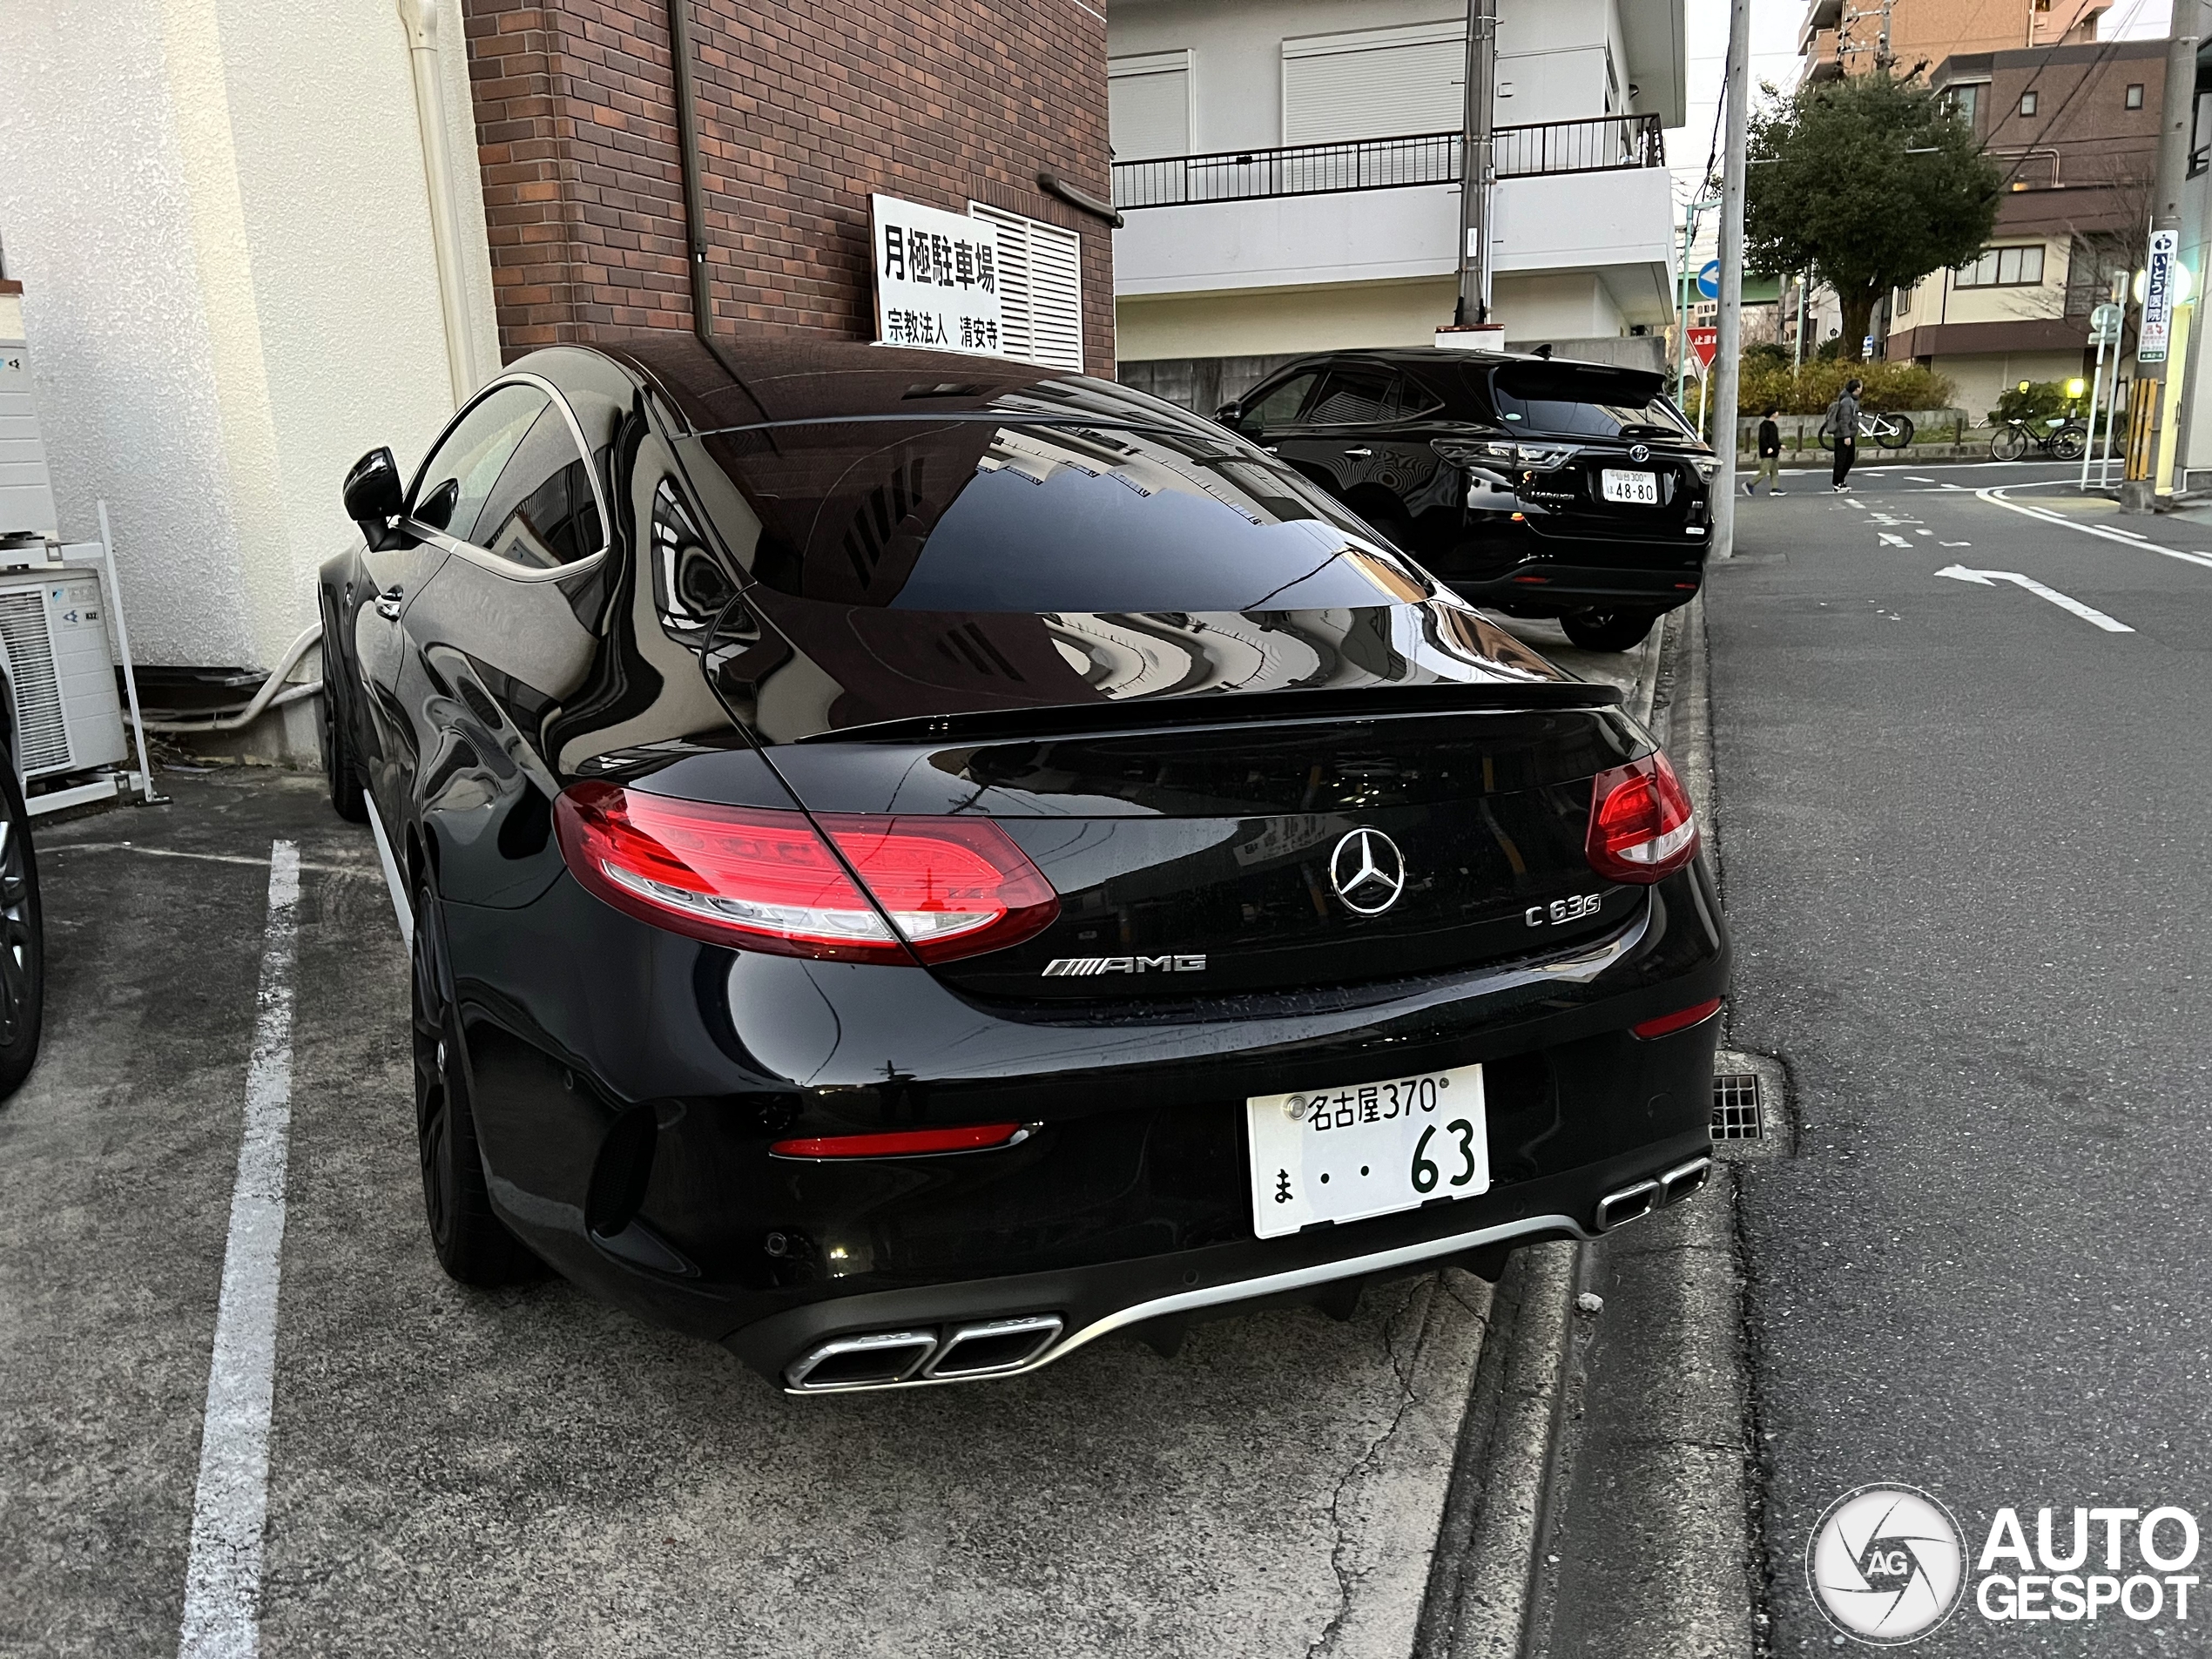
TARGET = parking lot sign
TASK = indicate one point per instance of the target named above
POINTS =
(936, 278)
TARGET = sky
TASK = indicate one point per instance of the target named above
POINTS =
(1774, 57)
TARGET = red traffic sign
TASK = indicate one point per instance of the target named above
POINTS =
(1706, 342)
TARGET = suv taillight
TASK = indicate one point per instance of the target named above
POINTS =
(758, 879)
(1642, 826)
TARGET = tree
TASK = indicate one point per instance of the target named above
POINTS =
(1870, 182)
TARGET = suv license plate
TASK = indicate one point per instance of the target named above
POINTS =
(1642, 488)
(1366, 1149)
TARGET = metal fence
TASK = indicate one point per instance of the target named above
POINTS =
(1601, 145)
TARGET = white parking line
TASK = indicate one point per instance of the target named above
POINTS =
(230, 1506)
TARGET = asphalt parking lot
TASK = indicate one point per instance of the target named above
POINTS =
(528, 1471)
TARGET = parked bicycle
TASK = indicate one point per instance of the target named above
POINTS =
(2068, 440)
(1891, 431)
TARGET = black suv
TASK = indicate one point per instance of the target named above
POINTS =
(1536, 486)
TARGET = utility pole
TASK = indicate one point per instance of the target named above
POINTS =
(1729, 355)
(1475, 163)
(2148, 437)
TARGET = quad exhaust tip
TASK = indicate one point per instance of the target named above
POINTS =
(1617, 1209)
(887, 1359)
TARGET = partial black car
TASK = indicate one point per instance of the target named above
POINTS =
(22, 932)
(914, 863)
(1535, 486)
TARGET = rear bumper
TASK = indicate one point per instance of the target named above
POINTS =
(1544, 586)
(1069, 1309)
(627, 1084)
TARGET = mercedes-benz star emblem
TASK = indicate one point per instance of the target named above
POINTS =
(1367, 871)
(1639, 452)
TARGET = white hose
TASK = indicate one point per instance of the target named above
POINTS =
(273, 693)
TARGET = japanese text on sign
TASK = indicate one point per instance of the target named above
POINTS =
(936, 278)
(2158, 297)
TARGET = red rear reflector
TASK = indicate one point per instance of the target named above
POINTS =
(906, 1142)
(1641, 827)
(1680, 1020)
(762, 879)
(1536, 579)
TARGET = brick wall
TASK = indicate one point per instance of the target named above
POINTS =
(806, 107)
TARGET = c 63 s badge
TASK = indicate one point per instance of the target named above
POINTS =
(1067, 967)
(1573, 908)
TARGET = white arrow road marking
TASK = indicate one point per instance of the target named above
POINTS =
(1990, 578)
(1994, 496)
(223, 1577)
(1888, 540)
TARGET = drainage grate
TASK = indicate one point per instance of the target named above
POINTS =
(1736, 1114)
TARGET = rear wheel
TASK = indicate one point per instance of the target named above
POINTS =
(2069, 442)
(473, 1244)
(2009, 443)
(1893, 431)
(341, 767)
(1593, 629)
(22, 938)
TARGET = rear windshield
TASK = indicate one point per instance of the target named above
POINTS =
(1584, 403)
(991, 514)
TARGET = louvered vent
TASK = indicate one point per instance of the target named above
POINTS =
(44, 733)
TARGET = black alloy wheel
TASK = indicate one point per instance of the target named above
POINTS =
(341, 767)
(473, 1244)
(1595, 628)
(23, 937)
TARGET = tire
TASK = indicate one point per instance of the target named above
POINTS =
(2070, 443)
(22, 938)
(2009, 444)
(472, 1243)
(1827, 439)
(341, 767)
(1893, 432)
(1597, 629)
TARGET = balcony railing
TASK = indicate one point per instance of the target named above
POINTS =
(1604, 144)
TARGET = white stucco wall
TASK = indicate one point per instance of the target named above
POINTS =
(1551, 55)
(218, 212)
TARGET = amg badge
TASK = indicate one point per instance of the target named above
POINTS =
(1060, 967)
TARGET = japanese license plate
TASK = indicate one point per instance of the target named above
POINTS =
(1366, 1149)
(1642, 488)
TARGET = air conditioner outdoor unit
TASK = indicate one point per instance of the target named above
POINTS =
(53, 634)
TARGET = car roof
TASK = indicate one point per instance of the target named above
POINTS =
(761, 379)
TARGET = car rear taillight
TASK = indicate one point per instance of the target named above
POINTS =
(760, 879)
(1642, 826)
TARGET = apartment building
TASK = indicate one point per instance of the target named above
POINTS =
(1288, 170)
(1855, 37)
(255, 242)
(2075, 128)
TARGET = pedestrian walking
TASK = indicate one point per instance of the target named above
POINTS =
(1769, 455)
(1842, 420)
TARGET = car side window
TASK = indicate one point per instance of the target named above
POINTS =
(542, 513)
(1355, 397)
(1278, 407)
(450, 491)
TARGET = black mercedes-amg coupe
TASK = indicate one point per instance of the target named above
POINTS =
(1539, 487)
(915, 862)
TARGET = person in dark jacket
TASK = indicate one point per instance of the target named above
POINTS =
(1842, 420)
(1769, 455)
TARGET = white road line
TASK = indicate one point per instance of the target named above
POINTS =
(402, 911)
(48, 850)
(223, 1578)
(2065, 602)
(1917, 479)
(1888, 540)
(1994, 495)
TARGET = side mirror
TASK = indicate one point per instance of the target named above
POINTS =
(1230, 413)
(373, 498)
